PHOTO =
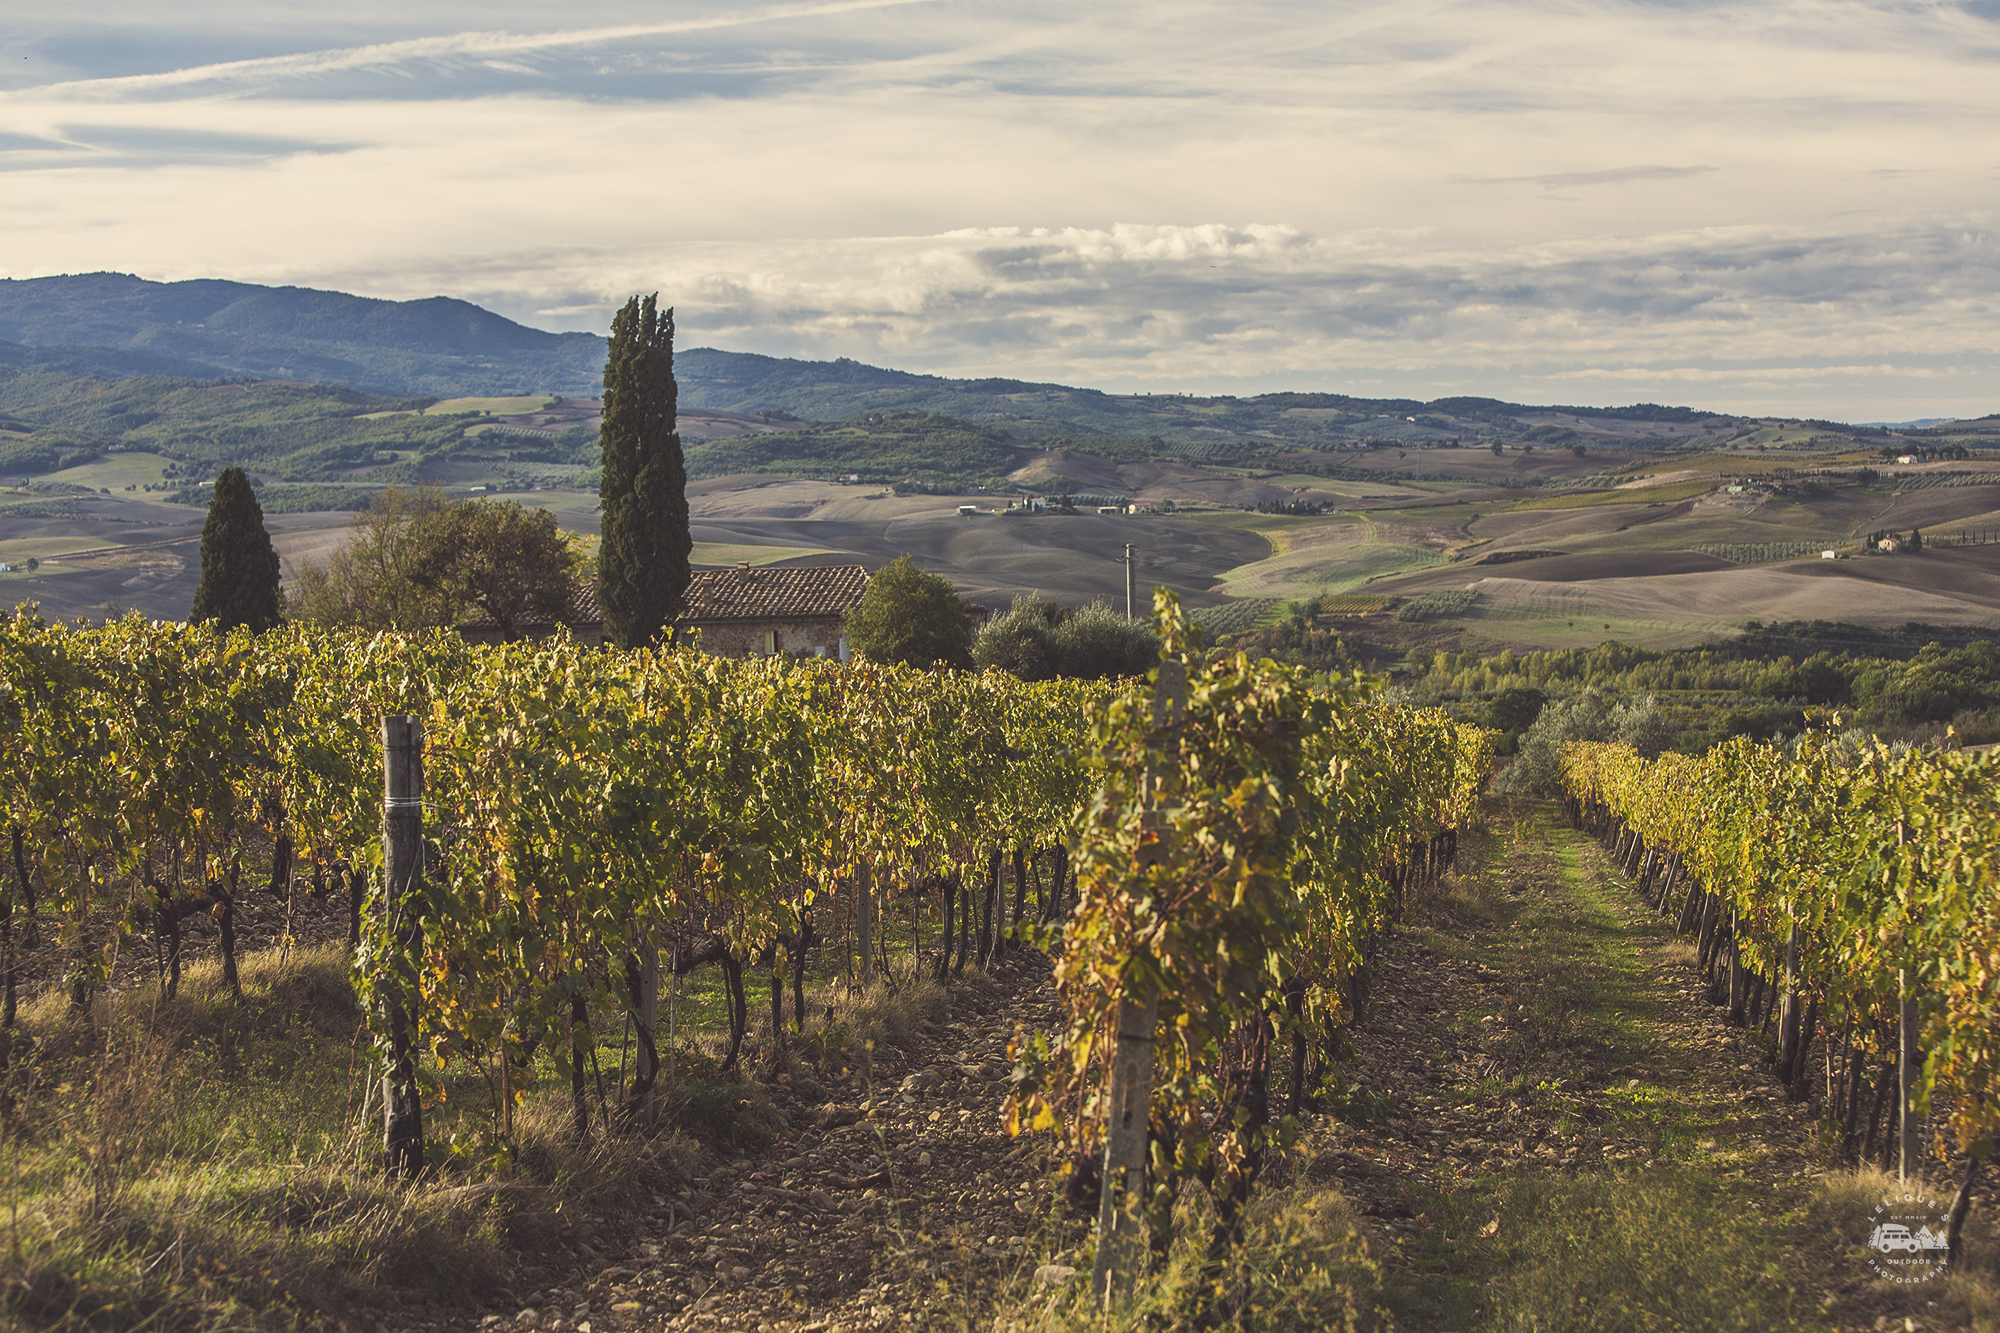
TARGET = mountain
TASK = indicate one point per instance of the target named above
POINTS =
(123, 326)
(1212, 428)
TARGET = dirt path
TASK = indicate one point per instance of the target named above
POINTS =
(1546, 1098)
(1543, 1122)
(897, 1199)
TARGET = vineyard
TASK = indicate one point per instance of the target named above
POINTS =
(1757, 553)
(536, 844)
(1855, 894)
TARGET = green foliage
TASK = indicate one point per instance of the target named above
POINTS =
(294, 432)
(311, 498)
(1437, 605)
(910, 617)
(1297, 640)
(1590, 716)
(1515, 710)
(496, 557)
(33, 456)
(239, 567)
(1862, 874)
(415, 560)
(1753, 553)
(1237, 616)
(377, 581)
(1040, 640)
(642, 568)
(1938, 683)
(1821, 679)
(1768, 723)
(880, 447)
(1231, 867)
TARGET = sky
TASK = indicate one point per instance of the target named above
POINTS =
(1747, 206)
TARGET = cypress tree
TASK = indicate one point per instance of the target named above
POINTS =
(239, 570)
(642, 563)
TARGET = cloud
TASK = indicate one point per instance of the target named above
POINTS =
(482, 47)
(1744, 317)
(1193, 193)
(1613, 176)
(147, 147)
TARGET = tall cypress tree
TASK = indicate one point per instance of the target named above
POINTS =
(642, 563)
(239, 570)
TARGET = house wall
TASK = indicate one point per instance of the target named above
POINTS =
(753, 638)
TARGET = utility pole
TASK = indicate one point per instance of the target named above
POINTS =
(1131, 581)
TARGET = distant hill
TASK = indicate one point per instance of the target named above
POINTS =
(122, 326)
(1198, 428)
(103, 362)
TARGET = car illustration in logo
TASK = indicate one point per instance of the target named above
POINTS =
(1893, 1236)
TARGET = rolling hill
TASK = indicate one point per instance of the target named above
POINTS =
(439, 346)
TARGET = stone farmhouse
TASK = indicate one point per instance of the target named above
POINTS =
(740, 612)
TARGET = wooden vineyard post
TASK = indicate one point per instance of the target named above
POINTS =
(1121, 1244)
(1909, 1066)
(864, 921)
(402, 885)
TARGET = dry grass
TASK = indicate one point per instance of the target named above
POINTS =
(1305, 1267)
(204, 1164)
(1965, 1297)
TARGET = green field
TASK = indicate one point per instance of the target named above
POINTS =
(1311, 570)
(1314, 556)
(45, 548)
(493, 407)
(723, 553)
(114, 471)
(1638, 495)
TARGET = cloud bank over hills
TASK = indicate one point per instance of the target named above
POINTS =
(1764, 206)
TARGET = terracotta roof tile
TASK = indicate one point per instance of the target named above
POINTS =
(721, 595)
(763, 594)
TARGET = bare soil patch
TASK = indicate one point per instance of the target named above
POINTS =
(1788, 591)
(1971, 573)
(1946, 504)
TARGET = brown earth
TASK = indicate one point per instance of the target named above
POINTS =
(893, 1193)
(1760, 592)
(1535, 1020)
(1481, 464)
(1928, 509)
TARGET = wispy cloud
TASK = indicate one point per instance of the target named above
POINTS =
(1611, 176)
(1739, 317)
(1469, 195)
(487, 48)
